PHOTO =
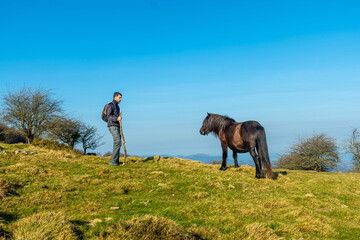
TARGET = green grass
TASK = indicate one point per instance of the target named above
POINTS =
(168, 199)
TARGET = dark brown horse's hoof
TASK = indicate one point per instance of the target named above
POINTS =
(259, 177)
(222, 169)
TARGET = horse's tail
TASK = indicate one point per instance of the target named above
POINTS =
(263, 152)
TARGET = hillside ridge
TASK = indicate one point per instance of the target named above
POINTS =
(150, 197)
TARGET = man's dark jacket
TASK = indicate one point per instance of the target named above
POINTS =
(112, 113)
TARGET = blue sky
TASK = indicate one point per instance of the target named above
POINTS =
(294, 66)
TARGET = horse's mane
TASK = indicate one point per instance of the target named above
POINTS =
(217, 122)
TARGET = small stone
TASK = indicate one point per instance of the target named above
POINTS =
(94, 222)
(145, 203)
(157, 172)
(309, 195)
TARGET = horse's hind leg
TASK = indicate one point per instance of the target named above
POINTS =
(224, 157)
(235, 159)
(259, 172)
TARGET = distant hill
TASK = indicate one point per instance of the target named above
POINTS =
(245, 159)
(204, 158)
(208, 159)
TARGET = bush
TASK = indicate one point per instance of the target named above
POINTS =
(50, 144)
(216, 162)
(352, 147)
(65, 130)
(43, 226)
(30, 110)
(10, 135)
(78, 151)
(317, 153)
(107, 154)
(91, 154)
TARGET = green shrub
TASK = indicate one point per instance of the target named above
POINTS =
(50, 144)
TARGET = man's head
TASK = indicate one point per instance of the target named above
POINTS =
(117, 97)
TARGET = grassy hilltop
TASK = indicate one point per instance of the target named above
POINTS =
(58, 194)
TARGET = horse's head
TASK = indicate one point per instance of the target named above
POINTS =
(205, 127)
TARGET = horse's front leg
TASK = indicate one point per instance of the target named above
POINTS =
(224, 156)
(235, 159)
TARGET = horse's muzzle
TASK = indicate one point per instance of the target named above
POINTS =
(202, 132)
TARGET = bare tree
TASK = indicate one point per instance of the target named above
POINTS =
(318, 153)
(29, 110)
(90, 138)
(65, 129)
(353, 147)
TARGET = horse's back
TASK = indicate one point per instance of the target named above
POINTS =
(250, 130)
(251, 125)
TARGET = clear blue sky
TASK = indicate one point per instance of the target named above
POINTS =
(294, 66)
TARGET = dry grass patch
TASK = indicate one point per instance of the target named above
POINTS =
(259, 231)
(83, 179)
(217, 185)
(48, 225)
(25, 169)
(199, 195)
(166, 188)
(277, 204)
(6, 188)
(45, 197)
(151, 227)
(312, 224)
(196, 188)
(145, 228)
(204, 232)
(114, 188)
(103, 172)
(130, 186)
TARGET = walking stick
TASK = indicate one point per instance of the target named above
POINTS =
(122, 136)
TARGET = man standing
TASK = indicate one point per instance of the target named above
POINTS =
(114, 118)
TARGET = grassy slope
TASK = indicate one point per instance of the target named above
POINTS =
(213, 204)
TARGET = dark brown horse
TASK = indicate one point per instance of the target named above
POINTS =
(240, 137)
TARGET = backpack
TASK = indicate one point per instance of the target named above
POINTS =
(103, 114)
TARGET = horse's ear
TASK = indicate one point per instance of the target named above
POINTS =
(208, 113)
